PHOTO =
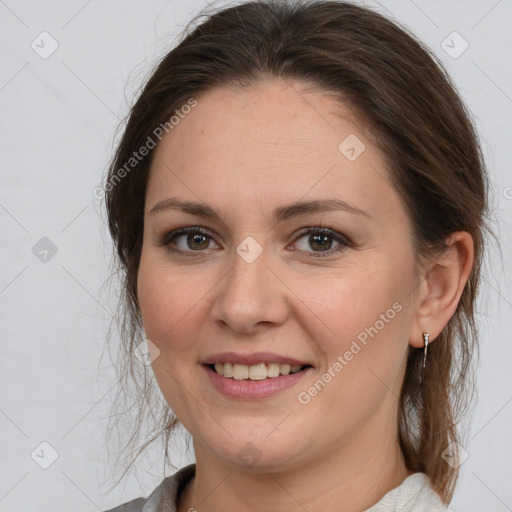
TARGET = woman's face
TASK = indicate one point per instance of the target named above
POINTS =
(257, 285)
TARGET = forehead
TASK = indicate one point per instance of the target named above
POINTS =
(275, 116)
(275, 141)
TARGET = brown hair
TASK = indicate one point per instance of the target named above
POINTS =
(402, 90)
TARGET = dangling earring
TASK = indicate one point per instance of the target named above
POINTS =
(426, 336)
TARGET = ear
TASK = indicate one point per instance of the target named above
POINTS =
(439, 293)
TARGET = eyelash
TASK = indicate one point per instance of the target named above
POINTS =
(344, 242)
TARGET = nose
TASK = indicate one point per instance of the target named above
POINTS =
(250, 296)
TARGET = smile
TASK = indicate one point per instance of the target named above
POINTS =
(258, 371)
(253, 382)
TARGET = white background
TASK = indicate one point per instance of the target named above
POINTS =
(58, 122)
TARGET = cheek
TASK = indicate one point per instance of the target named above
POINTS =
(355, 299)
(162, 299)
(366, 317)
(171, 301)
(169, 304)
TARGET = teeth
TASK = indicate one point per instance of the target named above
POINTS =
(228, 369)
(258, 371)
(284, 369)
(272, 370)
(240, 371)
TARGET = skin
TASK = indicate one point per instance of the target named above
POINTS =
(245, 152)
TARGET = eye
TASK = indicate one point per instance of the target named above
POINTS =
(321, 239)
(192, 239)
(195, 239)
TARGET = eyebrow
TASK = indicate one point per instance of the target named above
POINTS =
(280, 214)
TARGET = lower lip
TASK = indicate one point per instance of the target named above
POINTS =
(253, 389)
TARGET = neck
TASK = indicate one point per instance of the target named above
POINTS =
(349, 477)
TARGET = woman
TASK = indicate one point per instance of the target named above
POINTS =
(298, 206)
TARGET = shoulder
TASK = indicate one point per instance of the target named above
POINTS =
(414, 494)
(130, 506)
(165, 493)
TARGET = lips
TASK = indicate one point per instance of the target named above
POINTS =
(253, 359)
(249, 389)
(253, 376)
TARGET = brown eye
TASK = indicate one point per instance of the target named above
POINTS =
(196, 241)
(187, 240)
(321, 240)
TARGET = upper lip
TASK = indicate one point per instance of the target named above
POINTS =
(252, 359)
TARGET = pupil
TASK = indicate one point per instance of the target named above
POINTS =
(195, 238)
(317, 237)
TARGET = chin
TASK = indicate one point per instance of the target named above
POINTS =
(252, 452)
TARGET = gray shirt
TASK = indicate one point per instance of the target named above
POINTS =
(414, 494)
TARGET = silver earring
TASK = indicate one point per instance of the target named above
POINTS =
(426, 336)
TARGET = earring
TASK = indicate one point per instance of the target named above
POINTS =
(426, 336)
